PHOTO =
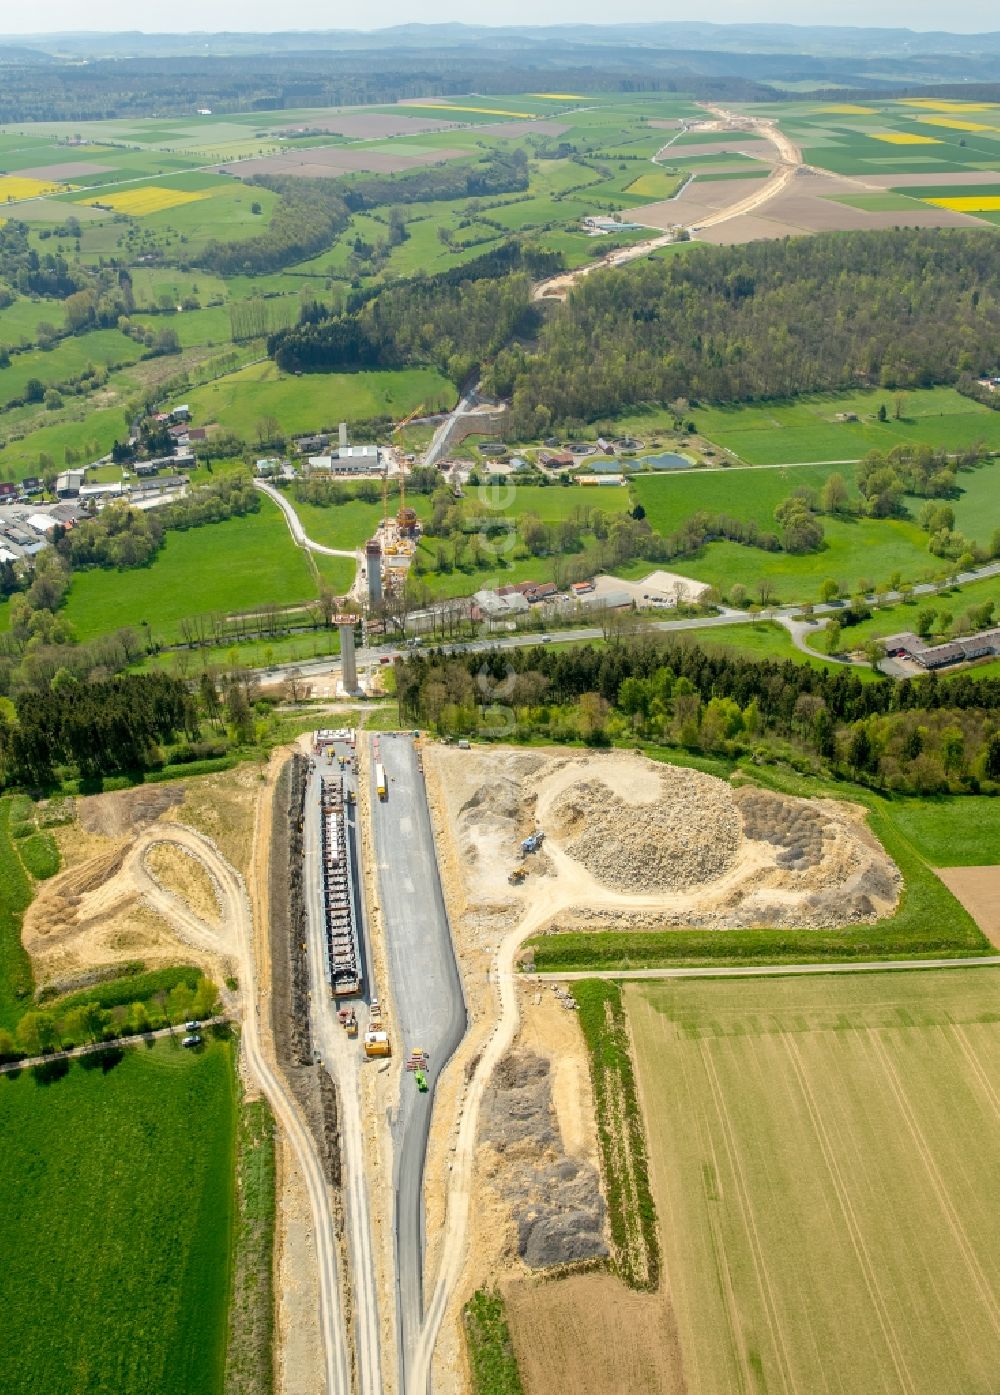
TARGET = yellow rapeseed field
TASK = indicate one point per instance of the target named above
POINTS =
(148, 198)
(906, 138)
(557, 96)
(483, 111)
(932, 104)
(953, 124)
(969, 203)
(847, 109)
(13, 186)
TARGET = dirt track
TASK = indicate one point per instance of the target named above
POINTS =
(236, 936)
(789, 161)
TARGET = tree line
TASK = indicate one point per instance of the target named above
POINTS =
(896, 309)
(925, 735)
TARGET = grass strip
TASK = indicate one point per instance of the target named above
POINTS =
(250, 1349)
(488, 1341)
(621, 1135)
(16, 981)
(40, 855)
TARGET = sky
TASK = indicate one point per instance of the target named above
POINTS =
(178, 16)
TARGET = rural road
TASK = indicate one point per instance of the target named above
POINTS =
(766, 970)
(468, 406)
(135, 1039)
(430, 1009)
(342, 1057)
(296, 529)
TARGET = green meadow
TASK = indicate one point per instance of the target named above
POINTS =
(313, 401)
(237, 565)
(116, 1214)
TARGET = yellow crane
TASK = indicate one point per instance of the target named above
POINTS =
(402, 473)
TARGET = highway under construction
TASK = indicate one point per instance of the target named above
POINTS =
(352, 1031)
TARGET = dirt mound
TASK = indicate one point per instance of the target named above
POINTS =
(181, 873)
(555, 1201)
(125, 812)
(688, 835)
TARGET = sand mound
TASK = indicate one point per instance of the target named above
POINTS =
(688, 835)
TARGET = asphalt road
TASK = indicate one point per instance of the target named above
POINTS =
(343, 1057)
(428, 1002)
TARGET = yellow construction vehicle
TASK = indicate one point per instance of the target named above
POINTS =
(517, 876)
(377, 1044)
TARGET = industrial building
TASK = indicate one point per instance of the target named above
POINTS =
(961, 650)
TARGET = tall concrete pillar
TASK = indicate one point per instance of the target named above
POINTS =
(348, 663)
(373, 564)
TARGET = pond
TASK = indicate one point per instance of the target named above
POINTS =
(667, 461)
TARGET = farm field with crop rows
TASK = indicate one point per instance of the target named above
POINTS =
(822, 1168)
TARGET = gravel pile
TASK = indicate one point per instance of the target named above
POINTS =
(688, 836)
(555, 1201)
(791, 825)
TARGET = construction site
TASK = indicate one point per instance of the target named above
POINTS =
(438, 1113)
(389, 553)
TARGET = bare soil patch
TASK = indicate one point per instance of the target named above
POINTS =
(556, 1209)
(69, 169)
(978, 889)
(298, 1345)
(591, 1335)
(808, 205)
(180, 873)
(222, 807)
(958, 178)
(737, 144)
(634, 843)
(695, 201)
(127, 812)
(517, 130)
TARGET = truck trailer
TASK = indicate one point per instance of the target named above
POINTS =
(380, 781)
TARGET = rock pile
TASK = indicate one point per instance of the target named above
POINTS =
(555, 1200)
(688, 836)
(791, 825)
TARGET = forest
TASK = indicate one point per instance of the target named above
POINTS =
(95, 727)
(771, 319)
(924, 735)
(450, 323)
(38, 87)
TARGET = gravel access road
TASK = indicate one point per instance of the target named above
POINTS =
(875, 966)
